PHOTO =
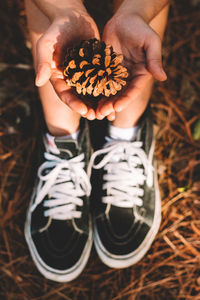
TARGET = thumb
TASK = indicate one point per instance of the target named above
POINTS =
(43, 62)
(154, 58)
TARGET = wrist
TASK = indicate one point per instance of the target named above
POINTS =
(127, 8)
(60, 9)
(145, 9)
(72, 6)
(122, 18)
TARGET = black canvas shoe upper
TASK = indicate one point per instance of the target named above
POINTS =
(60, 222)
(124, 193)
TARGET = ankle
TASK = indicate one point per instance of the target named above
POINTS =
(58, 131)
(125, 134)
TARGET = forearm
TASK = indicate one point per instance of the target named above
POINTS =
(147, 9)
(58, 8)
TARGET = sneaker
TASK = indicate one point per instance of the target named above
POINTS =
(127, 207)
(58, 227)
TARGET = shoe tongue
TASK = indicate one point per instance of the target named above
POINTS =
(117, 157)
(68, 148)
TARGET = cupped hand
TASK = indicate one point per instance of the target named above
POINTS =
(64, 32)
(131, 36)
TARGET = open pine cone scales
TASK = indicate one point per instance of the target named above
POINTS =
(93, 68)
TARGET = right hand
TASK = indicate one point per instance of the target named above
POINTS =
(141, 47)
(63, 32)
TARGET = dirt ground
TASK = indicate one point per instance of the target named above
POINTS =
(171, 268)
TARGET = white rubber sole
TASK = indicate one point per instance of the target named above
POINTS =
(51, 273)
(124, 261)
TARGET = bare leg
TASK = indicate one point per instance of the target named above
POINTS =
(60, 119)
(131, 115)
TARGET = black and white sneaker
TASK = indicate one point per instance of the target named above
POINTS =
(127, 208)
(58, 227)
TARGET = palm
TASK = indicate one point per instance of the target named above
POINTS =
(134, 47)
(62, 34)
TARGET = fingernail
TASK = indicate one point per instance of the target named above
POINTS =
(100, 117)
(90, 118)
(112, 118)
(38, 81)
(83, 111)
(163, 73)
(118, 108)
(107, 112)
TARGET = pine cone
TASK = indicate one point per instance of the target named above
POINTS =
(93, 68)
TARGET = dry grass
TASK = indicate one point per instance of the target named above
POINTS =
(171, 269)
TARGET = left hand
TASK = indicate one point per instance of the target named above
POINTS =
(64, 32)
(141, 47)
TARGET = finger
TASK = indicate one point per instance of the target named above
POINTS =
(66, 94)
(132, 92)
(74, 102)
(99, 116)
(90, 114)
(111, 117)
(105, 107)
(124, 101)
(43, 62)
(154, 57)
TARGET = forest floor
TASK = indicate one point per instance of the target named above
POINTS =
(171, 268)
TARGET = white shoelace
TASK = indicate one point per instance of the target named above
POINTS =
(122, 161)
(65, 183)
